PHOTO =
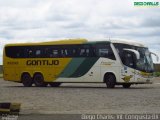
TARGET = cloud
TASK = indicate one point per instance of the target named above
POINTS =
(152, 22)
(39, 20)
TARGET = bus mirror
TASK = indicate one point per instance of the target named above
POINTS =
(134, 51)
(157, 58)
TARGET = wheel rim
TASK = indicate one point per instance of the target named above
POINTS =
(110, 81)
(39, 81)
(27, 80)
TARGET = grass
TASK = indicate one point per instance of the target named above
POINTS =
(1, 75)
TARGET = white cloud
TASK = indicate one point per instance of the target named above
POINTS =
(39, 20)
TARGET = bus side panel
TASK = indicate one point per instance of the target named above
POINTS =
(14, 68)
(143, 77)
(9, 74)
(110, 66)
(81, 70)
(127, 75)
(49, 71)
(9, 69)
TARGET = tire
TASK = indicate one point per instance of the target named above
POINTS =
(126, 85)
(27, 80)
(39, 80)
(55, 84)
(110, 81)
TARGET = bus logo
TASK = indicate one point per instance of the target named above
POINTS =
(42, 62)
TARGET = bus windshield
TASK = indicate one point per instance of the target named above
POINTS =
(144, 63)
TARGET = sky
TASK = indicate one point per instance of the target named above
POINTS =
(45, 20)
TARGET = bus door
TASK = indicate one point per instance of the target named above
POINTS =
(128, 70)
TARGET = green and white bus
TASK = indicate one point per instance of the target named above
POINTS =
(110, 61)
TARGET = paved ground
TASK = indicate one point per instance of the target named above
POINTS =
(83, 98)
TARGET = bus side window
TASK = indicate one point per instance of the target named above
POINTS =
(19, 52)
(47, 52)
(82, 52)
(105, 50)
(38, 53)
(71, 52)
(64, 53)
(28, 53)
(74, 52)
(127, 59)
(85, 51)
(55, 53)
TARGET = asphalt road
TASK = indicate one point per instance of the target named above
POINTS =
(83, 98)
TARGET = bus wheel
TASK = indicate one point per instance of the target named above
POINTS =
(55, 84)
(110, 80)
(27, 80)
(39, 80)
(126, 85)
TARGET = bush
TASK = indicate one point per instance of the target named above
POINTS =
(157, 74)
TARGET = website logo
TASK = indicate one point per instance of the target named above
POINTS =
(147, 4)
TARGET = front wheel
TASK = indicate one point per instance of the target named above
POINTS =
(110, 81)
(126, 85)
(39, 80)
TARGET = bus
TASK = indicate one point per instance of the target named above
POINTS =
(109, 61)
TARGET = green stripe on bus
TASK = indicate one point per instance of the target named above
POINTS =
(72, 67)
(85, 66)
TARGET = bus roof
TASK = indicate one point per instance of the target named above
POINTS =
(128, 42)
(55, 42)
(81, 41)
(122, 41)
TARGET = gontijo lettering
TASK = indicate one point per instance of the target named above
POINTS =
(42, 62)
